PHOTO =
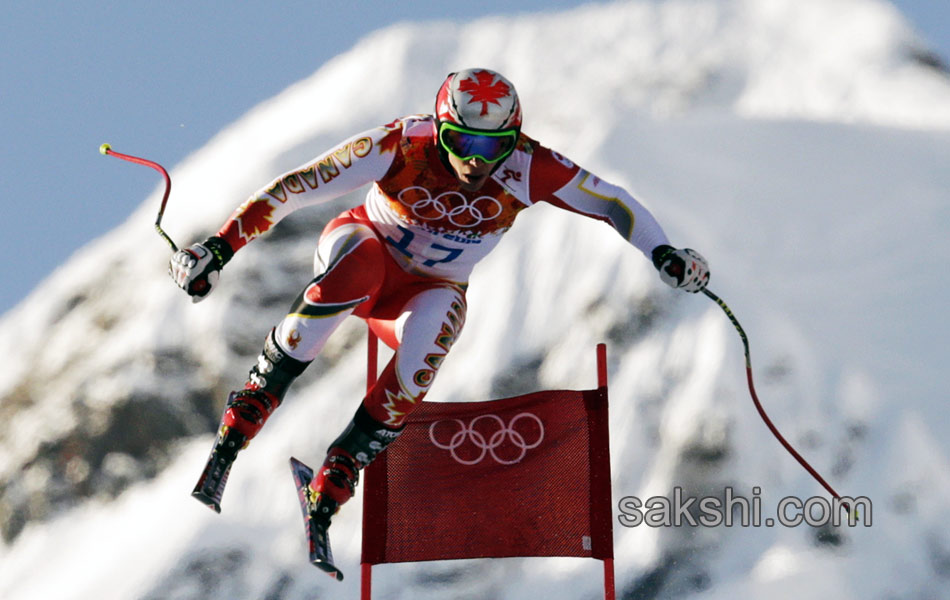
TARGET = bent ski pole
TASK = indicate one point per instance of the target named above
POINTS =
(758, 405)
(107, 150)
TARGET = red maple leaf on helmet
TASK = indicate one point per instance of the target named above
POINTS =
(482, 89)
(255, 218)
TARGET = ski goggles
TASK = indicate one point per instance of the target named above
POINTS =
(466, 144)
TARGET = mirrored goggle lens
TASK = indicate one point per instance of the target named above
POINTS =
(488, 147)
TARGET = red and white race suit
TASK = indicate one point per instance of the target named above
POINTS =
(406, 254)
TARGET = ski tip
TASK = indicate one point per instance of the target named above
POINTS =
(206, 500)
(298, 464)
(104, 149)
(329, 569)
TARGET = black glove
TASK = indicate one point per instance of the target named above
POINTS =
(683, 269)
(197, 269)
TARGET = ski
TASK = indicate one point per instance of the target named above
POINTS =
(318, 540)
(210, 486)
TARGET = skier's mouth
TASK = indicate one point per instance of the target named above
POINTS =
(473, 179)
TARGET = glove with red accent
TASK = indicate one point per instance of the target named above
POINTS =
(683, 268)
(197, 269)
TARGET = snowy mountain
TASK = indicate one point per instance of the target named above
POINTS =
(801, 145)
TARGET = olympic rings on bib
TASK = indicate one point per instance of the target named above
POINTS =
(451, 205)
(467, 434)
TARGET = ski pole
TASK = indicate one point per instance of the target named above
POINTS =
(758, 405)
(107, 150)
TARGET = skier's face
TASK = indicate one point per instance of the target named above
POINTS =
(471, 173)
(473, 153)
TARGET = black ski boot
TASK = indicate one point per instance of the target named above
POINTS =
(244, 415)
(321, 495)
(317, 511)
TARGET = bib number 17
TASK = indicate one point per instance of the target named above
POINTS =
(402, 244)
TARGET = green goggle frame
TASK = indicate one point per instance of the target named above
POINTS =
(466, 144)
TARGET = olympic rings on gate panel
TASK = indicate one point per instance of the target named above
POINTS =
(453, 205)
(467, 433)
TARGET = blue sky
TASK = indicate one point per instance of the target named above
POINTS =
(160, 79)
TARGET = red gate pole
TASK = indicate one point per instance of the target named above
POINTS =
(372, 352)
(609, 586)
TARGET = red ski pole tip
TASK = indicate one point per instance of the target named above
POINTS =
(104, 149)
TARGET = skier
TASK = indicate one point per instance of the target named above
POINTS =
(446, 187)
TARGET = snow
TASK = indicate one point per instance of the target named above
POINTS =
(796, 144)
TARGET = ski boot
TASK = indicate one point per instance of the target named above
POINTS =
(321, 495)
(245, 406)
(244, 415)
(317, 511)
